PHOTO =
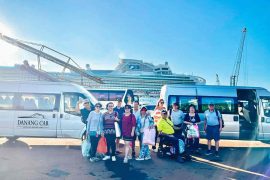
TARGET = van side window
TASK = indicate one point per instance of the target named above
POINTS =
(39, 102)
(266, 105)
(70, 102)
(115, 95)
(226, 105)
(6, 100)
(184, 102)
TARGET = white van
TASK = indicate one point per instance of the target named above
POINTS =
(41, 109)
(245, 110)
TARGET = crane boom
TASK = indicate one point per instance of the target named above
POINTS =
(49, 57)
(237, 65)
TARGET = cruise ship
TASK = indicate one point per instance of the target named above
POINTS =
(141, 77)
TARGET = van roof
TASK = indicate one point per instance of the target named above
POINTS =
(212, 86)
(37, 82)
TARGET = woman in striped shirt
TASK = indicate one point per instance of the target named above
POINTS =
(109, 118)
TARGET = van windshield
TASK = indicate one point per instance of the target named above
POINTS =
(266, 105)
(88, 95)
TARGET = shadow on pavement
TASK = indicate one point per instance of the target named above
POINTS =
(124, 171)
(14, 142)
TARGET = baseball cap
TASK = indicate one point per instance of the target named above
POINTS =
(211, 104)
(144, 109)
(85, 101)
(164, 111)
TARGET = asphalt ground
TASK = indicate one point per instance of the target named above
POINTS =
(39, 158)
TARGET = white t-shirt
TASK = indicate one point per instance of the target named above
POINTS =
(136, 113)
(177, 117)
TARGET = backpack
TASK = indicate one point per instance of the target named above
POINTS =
(221, 118)
(84, 120)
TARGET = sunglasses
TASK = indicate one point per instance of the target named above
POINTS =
(161, 102)
(86, 103)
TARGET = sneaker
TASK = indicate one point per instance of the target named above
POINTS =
(113, 158)
(147, 158)
(155, 150)
(92, 160)
(139, 159)
(216, 154)
(125, 160)
(129, 157)
(96, 159)
(208, 153)
(106, 158)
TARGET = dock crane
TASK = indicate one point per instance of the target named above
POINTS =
(236, 68)
(40, 53)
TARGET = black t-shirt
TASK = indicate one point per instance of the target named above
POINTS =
(120, 112)
(85, 113)
(192, 119)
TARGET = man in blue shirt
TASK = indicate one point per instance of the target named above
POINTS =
(120, 111)
(212, 127)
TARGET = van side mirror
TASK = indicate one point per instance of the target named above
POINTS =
(262, 119)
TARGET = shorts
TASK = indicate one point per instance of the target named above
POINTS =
(212, 132)
(128, 138)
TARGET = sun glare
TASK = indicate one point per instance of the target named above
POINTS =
(8, 53)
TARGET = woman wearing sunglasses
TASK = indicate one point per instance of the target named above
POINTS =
(93, 130)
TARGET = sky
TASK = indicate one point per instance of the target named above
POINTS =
(195, 37)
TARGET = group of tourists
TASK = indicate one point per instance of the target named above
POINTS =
(170, 126)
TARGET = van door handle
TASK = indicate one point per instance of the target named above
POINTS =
(53, 115)
(61, 115)
(235, 118)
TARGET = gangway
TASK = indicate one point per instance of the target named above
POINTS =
(41, 53)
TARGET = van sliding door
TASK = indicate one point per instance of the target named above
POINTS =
(225, 100)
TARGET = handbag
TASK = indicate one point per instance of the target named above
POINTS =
(117, 130)
(102, 146)
(85, 148)
(193, 131)
(149, 135)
